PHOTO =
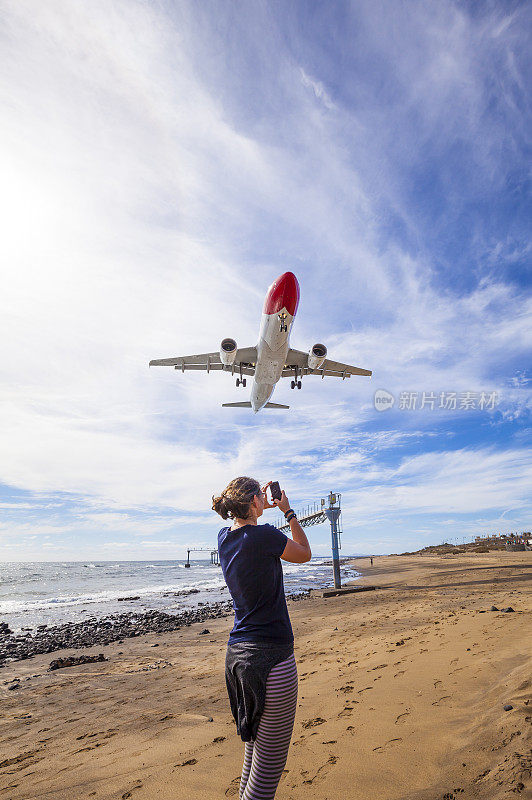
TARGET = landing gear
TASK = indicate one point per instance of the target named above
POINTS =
(282, 319)
(295, 383)
(240, 381)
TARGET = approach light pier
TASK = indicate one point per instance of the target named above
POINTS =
(329, 508)
(214, 554)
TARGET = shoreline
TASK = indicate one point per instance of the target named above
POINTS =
(102, 630)
(418, 691)
(66, 608)
(105, 630)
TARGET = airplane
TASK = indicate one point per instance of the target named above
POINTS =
(272, 358)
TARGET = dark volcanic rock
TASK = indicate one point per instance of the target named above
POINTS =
(120, 599)
(93, 631)
(73, 661)
(114, 628)
(5, 630)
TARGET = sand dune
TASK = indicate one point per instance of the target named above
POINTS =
(401, 697)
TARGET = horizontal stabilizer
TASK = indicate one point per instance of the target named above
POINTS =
(247, 404)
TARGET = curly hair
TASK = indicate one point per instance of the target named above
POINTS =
(235, 500)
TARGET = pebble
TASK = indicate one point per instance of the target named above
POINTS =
(508, 707)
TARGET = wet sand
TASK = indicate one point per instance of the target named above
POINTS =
(401, 696)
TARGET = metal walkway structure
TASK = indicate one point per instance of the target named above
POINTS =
(330, 509)
(314, 514)
(214, 554)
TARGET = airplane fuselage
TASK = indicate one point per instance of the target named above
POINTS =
(280, 307)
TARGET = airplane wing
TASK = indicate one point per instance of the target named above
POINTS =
(245, 358)
(335, 369)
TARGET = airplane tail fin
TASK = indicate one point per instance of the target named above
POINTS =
(247, 404)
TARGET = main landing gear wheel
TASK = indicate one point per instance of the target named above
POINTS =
(292, 385)
(299, 384)
(240, 381)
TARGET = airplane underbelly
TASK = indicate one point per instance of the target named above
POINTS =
(269, 370)
(260, 394)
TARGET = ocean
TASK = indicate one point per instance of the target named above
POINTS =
(52, 593)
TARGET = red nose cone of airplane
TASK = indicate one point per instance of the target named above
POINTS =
(283, 293)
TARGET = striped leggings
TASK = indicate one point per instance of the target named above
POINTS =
(265, 757)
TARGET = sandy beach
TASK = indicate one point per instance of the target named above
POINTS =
(401, 697)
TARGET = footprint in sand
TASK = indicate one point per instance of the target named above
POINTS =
(401, 672)
(389, 744)
(233, 787)
(346, 711)
(441, 700)
(310, 723)
(400, 717)
(365, 689)
(23, 757)
(137, 785)
(323, 770)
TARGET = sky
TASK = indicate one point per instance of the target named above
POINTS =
(162, 163)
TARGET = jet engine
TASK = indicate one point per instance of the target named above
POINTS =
(227, 351)
(317, 355)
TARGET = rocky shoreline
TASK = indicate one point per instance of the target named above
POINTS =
(104, 630)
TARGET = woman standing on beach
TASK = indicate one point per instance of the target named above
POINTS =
(260, 668)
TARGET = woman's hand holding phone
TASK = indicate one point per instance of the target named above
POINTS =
(267, 503)
(282, 504)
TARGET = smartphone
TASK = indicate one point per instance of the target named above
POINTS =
(275, 489)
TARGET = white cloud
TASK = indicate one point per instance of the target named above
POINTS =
(134, 200)
(318, 89)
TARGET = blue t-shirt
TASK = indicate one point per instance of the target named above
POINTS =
(249, 557)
